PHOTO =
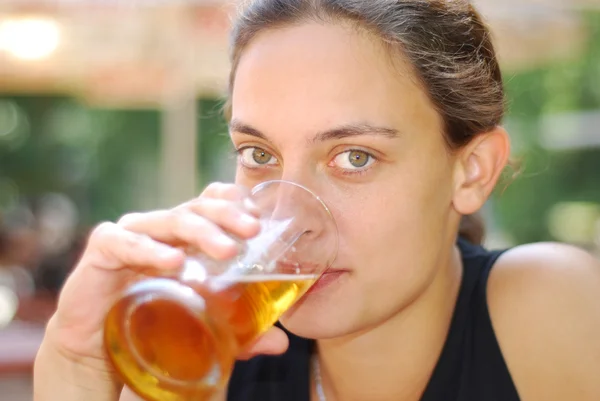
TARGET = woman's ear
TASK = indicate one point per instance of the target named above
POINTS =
(478, 167)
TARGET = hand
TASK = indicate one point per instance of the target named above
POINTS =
(148, 240)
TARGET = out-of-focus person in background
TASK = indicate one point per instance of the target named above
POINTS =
(391, 111)
(38, 248)
(35, 260)
(21, 311)
(9, 287)
(19, 256)
(19, 252)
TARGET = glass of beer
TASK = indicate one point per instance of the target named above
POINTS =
(176, 337)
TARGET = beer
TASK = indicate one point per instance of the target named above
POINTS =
(173, 342)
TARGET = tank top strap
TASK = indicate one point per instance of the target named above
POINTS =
(471, 366)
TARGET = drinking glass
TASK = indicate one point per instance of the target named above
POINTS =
(175, 337)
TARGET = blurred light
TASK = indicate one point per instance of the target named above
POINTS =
(9, 118)
(14, 125)
(9, 304)
(29, 38)
(574, 222)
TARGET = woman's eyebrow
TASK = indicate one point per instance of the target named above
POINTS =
(344, 131)
(351, 130)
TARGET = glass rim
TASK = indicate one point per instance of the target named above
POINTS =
(320, 200)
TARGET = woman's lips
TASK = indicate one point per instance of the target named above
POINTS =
(328, 278)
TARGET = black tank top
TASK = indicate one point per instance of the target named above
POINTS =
(470, 368)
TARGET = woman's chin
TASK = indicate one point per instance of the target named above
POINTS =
(319, 314)
(311, 332)
(307, 323)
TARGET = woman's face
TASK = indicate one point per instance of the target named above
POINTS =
(325, 106)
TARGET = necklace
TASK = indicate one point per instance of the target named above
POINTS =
(317, 377)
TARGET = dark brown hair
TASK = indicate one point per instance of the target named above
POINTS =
(446, 42)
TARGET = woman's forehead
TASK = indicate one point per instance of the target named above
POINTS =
(317, 76)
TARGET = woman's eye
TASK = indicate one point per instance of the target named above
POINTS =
(354, 160)
(253, 157)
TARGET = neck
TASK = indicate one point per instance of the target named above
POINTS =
(394, 360)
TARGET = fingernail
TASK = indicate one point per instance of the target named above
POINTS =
(248, 220)
(225, 241)
(168, 253)
(251, 206)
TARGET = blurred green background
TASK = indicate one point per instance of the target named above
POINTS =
(107, 160)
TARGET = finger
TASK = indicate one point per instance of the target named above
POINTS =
(112, 247)
(227, 191)
(183, 227)
(273, 342)
(233, 218)
(233, 192)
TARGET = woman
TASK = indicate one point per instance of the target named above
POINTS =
(391, 111)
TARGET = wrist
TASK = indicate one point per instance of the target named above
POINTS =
(61, 376)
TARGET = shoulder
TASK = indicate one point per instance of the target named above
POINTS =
(544, 303)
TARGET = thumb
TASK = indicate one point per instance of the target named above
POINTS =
(273, 342)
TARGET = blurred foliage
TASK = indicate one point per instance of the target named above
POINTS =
(91, 155)
(107, 161)
(550, 177)
(214, 142)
